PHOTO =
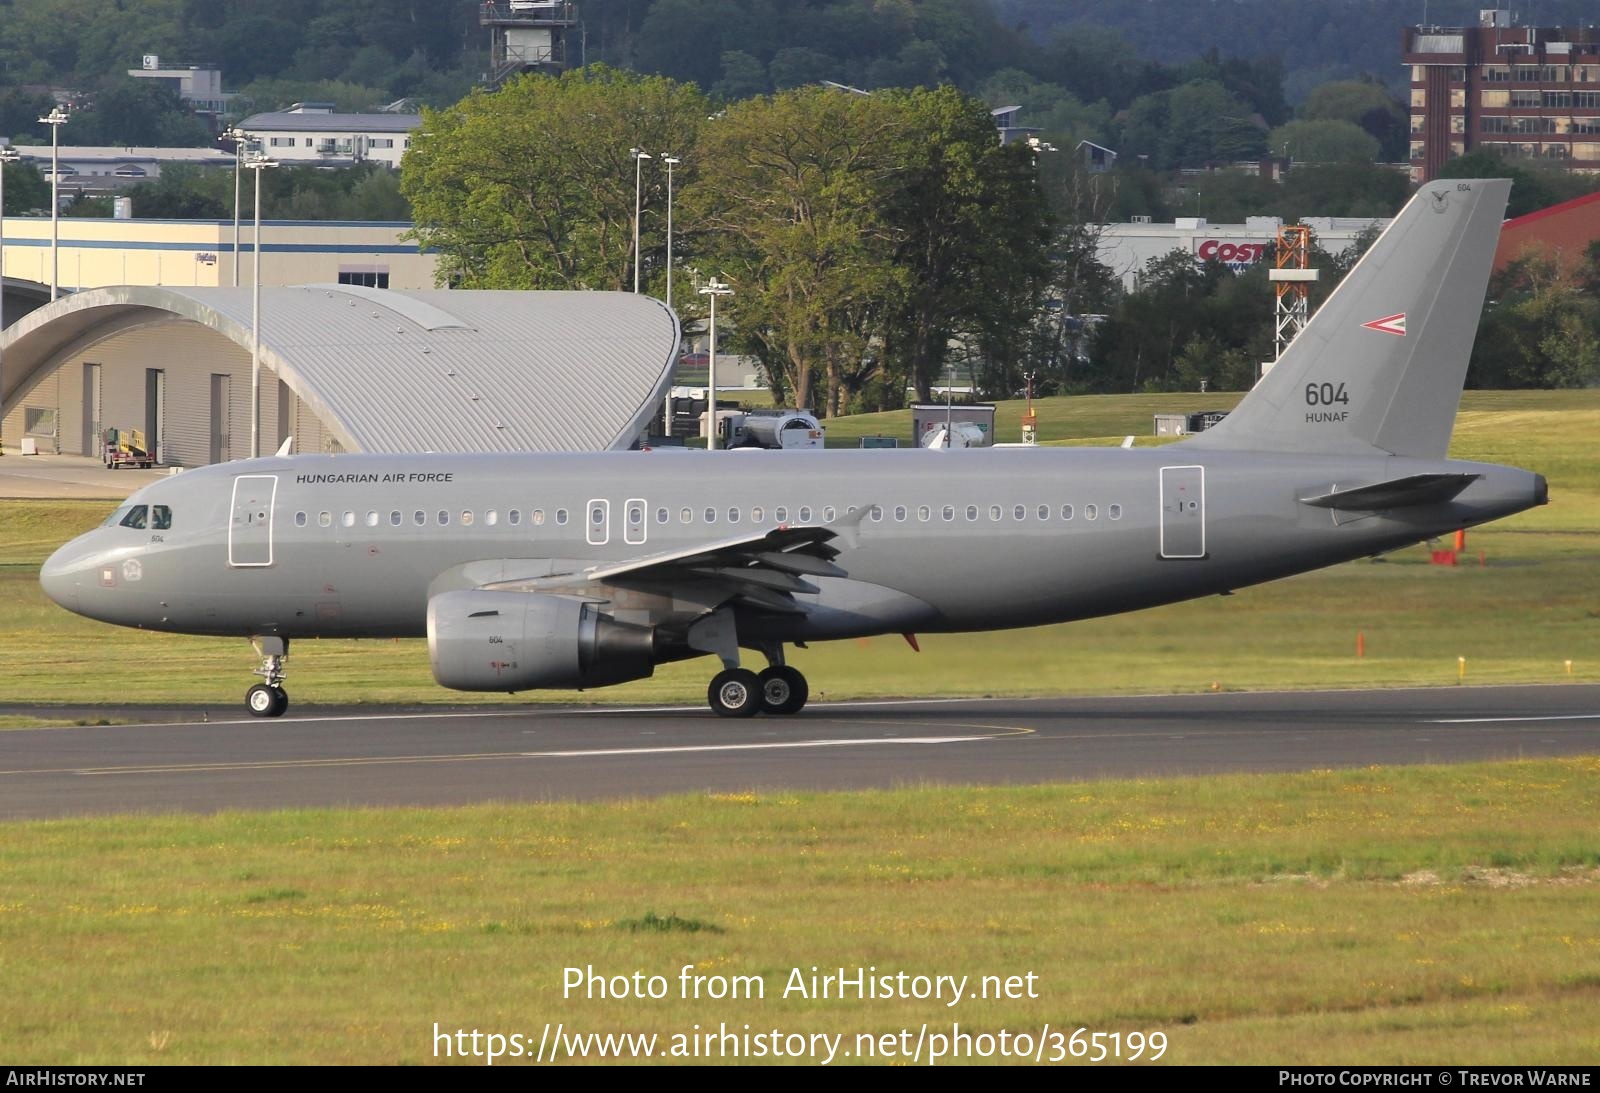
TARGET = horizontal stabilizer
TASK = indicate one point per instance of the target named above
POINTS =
(1418, 489)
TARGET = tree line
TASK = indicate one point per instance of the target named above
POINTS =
(862, 234)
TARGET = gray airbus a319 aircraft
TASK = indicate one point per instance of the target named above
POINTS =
(584, 570)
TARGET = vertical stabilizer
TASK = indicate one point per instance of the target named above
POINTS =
(1382, 362)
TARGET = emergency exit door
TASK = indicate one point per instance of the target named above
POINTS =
(250, 530)
(1183, 512)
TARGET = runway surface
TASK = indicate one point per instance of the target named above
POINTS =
(368, 756)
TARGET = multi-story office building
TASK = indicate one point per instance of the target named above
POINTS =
(1523, 91)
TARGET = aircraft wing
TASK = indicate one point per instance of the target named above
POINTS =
(1418, 489)
(762, 569)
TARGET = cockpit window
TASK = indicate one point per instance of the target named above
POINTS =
(160, 517)
(115, 519)
(138, 517)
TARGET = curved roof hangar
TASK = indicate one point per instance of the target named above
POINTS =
(406, 371)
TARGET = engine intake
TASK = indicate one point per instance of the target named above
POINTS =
(516, 641)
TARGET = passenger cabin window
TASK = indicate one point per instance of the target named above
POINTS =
(686, 516)
(325, 519)
(972, 512)
(349, 519)
(1114, 511)
(1090, 512)
(756, 514)
(561, 516)
(1019, 513)
(514, 516)
(827, 514)
(994, 512)
(733, 516)
(805, 514)
(372, 518)
(948, 512)
(711, 516)
(444, 517)
(781, 514)
(466, 518)
(492, 517)
(299, 519)
(663, 515)
(138, 517)
(1066, 512)
(537, 516)
(924, 513)
(1044, 512)
(395, 518)
(419, 518)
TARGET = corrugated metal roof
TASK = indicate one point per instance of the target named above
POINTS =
(435, 371)
(287, 121)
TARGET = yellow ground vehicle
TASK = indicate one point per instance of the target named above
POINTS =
(127, 448)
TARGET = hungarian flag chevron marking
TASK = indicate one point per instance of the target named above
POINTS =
(1389, 324)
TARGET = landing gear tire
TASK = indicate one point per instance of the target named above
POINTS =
(264, 701)
(783, 690)
(735, 692)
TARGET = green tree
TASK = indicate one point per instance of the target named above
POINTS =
(1364, 103)
(137, 112)
(793, 217)
(533, 186)
(26, 189)
(972, 234)
(1534, 185)
(1323, 141)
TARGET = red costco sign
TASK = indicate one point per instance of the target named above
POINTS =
(1235, 254)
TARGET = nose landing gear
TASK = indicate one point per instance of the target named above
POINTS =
(268, 698)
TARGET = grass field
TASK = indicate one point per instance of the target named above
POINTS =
(1415, 915)
(1384, 916)
(1529, 608)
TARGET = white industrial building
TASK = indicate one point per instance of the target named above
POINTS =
(1127, 248)
(95, 171)
(315, 133)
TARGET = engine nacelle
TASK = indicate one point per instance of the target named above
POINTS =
(515, 641)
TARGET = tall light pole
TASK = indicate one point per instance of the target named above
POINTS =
(7, 155)
(713, 289)
(238, 137)
(55, 120)
(671, 161)
(256, 163)
(638, 207)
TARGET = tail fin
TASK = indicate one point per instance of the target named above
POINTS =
(1382, 362)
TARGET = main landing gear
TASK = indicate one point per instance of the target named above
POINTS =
(268, 698)
(739, 692)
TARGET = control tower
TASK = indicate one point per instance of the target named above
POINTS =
(527, 36)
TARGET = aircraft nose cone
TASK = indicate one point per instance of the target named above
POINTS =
(60, 576)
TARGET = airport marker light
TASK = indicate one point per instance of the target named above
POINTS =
(713, 289)
(55, 120)
(7, 155)
(671, 161)
(638, 176)
(256, 163)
